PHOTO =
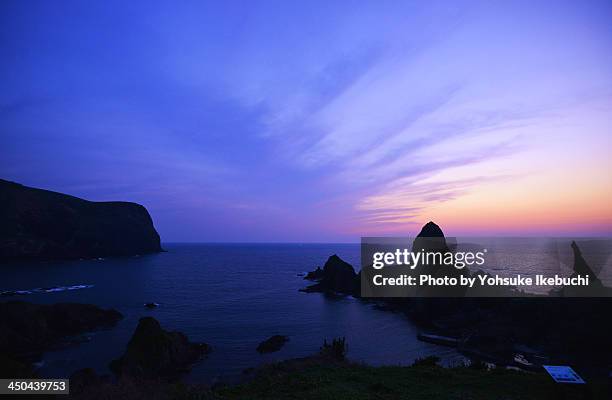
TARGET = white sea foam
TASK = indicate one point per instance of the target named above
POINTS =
(44, 290)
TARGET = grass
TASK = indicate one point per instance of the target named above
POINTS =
(323, 378)
(430, 382)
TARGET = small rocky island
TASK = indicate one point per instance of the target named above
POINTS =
(154, 353)
(38, 224)
(272, 344)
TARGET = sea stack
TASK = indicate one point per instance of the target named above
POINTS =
(431, 230)
(154, 353)
(431, 239)
(336, 276)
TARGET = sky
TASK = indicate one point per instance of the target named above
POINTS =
(316, 121)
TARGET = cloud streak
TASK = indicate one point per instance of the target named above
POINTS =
(320, 123)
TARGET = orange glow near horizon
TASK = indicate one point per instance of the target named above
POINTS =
(540, 197)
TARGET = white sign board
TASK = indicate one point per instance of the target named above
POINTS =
(563, 374)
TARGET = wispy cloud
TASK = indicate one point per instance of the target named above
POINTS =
(320, 120)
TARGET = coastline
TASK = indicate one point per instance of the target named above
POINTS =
(363, 303)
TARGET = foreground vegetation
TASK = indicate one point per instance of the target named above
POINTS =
(350, 381)
(324, 378)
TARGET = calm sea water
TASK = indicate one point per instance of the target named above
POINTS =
(231, 296)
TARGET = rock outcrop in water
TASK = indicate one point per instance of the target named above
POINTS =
(595, 288)
(431, 239)
(38, 224)
(337, 276)
(154, 353)
(272, 344)
(571, 330)
(315, 275)
(27, 330)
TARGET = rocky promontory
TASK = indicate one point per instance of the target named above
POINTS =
(27, 330)
(38, 224)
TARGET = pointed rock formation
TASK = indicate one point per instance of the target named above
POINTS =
(431, 239)
(337, 276)
(595, 287)
(580, 265)
(155, 353)
(431, 230)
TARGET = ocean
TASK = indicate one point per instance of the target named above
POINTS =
(231, 296)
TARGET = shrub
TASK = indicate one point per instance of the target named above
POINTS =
(337, 349)
(429, 361)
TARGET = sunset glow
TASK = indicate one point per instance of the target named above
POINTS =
(273, 122)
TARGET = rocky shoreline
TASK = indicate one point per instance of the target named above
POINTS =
(541, 329)
(28, 330)
(326, 375)
(534, 329)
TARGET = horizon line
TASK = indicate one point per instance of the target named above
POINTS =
(386, 236)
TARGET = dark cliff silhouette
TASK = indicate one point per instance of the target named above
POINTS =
(38, 224)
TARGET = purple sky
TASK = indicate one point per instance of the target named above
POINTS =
(315, 122)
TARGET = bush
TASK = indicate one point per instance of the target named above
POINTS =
(337, 349)
(478, 364)
(426, 361)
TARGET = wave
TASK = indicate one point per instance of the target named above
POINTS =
(52, 289)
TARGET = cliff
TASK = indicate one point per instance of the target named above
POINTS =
(39, 224)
